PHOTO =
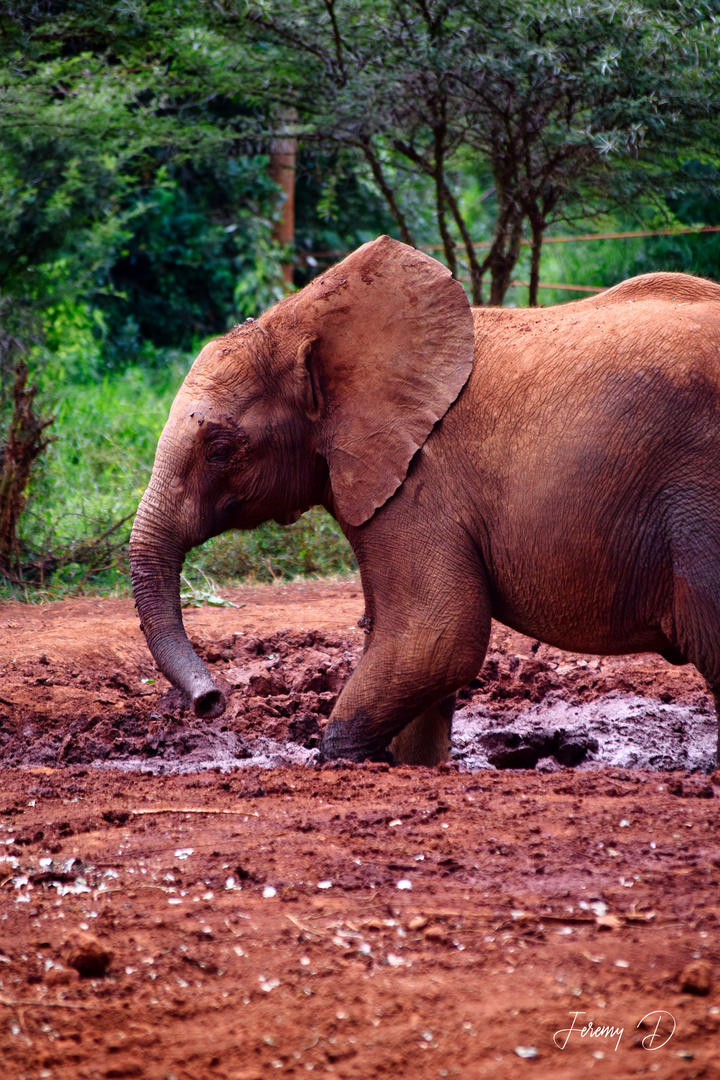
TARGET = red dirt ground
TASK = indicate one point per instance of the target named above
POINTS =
(249, 923)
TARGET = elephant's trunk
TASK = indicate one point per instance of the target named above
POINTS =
(156, 559)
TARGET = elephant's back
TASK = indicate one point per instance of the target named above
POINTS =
(572, 411)
(659, 326)
(661, 286)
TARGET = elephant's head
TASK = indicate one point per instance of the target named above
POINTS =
(324, 399)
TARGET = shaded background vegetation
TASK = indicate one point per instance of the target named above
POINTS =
(137, 213)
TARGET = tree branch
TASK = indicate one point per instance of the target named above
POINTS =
(381, 181)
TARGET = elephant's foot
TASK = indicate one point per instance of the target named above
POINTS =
(349, 739)
(426, 739)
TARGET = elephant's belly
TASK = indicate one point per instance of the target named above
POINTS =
(598, 640)
(564, 606)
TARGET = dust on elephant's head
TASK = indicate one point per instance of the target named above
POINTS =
(333, 389)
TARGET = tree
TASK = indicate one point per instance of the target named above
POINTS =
(129, 170)
(571, 110)
(585, 109)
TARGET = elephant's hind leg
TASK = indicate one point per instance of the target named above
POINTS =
(426, 739)
(695, 631)
(707, 660)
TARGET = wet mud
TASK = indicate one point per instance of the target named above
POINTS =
(530, 707)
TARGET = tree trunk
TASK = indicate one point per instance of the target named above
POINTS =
(448, 242)
(25, 444)
(503, 257)
(536, 252)
(283, 152)
(476, 275)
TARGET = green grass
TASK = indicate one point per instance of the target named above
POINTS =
(94, 475)
(313, 546)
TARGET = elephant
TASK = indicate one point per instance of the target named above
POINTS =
(557, 469)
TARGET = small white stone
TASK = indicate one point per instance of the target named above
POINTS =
(404, 884)
(269, 891)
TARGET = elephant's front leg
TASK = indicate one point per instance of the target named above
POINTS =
(400, 695)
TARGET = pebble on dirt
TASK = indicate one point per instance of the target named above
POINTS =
(608, 922)
(435, 933)
(696, 978)
(87, 955)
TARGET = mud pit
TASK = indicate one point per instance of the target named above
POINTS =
(193, 900)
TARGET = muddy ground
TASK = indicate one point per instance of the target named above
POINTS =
(192, 900)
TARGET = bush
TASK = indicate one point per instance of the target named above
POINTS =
(93, 477)
(313, 545)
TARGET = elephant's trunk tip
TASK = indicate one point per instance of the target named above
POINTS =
(209, 704)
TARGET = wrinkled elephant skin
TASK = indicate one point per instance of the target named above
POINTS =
(557, 469)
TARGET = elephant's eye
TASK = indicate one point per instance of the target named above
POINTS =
(219, 451)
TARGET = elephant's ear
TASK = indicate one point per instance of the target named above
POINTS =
(388, 346)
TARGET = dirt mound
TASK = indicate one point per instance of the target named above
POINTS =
(530, 706)
(279, 689)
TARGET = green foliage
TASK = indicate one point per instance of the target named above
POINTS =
(313, 545)
(337, 206)
(126, 175)
(200, 591)
(137, 215)
(199, 258)
(95, 473)
(606, 262)
(572, 109)
(137, 212)
(94, 476)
